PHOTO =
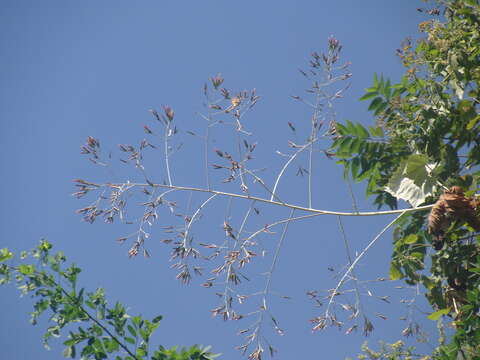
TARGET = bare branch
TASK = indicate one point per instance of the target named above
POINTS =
(259, 199)
(357, 259)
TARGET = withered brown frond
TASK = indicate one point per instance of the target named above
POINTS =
(452, 205)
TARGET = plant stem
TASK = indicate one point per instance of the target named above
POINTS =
(278, 203)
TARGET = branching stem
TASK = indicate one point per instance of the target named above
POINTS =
(357, 259)
(291, 206)
(194, 216)
(285, 168)
(167, 162)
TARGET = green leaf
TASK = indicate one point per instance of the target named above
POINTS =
(382, 106)
(376, 131)
(131, 330)
(44, 246)
(26, 269)
(387, 90)
(354, 167)
(129, 340)
(375, 103)
(417, 255)
(381, 86)
(362, 133)
(157, 319)
(437, 314)
(427, 282)
(357, 145)
(418, 168)
(369, 95)
(344, 148)
(110, 345)
(395, 273)
(352, 130)
(145, 335)
(341, 130)
(471, 124)
(68, 352)
(410, 239)
(412, 181)
(5, 255)
(141, 353)
(70, 342)
(137, 320)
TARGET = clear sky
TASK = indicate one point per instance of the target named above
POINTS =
(71, 69)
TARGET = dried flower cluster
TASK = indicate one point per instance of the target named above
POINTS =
(235, 167)
(232, 254)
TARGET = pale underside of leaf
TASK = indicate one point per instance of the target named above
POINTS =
(412, 181)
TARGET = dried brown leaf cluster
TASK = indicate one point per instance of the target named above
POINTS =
(452, 205)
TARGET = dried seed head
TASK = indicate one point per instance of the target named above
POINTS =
(147, 129)
(169, 113)
(333, 43)
(216, 81)
(92, 142)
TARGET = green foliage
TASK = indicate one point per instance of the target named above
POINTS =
(395, 351)
(427, 138)
(365, 154)
(102, 331)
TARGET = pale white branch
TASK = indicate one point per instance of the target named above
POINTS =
(273, 202)
(357, 259)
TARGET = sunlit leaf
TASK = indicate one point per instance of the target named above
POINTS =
(412, 181)
(5, 255)
(369, 95)
(471, 124)
(395, 273)
(437, 314)
(375, 103)
(410, 239)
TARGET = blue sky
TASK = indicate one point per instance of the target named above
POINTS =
(77, 69)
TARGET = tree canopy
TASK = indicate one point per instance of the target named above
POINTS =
(424, 149)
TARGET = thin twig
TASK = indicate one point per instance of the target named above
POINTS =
(269, 277)
(240, 155)
(357, 259)
(350, 190)
(192, 219)
(266, 227)
(244, 221)
(167, 162)
(207, 173)
(313, 135)
(349, 258)
(261, 182)
(277, 252)
(280, 174)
